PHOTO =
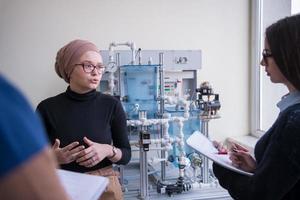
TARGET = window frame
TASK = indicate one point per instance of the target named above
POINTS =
(256, 72)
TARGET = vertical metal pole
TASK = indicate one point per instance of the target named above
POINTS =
(119, 73)
(121, 170)
(121, 167)
(161, 82)
(144, 191)
(162, 110)
(205, 169)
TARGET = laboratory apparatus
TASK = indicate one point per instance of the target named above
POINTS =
(164, 104)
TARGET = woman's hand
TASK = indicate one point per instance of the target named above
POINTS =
(234, 146)
(241, 158)
(94, 154)
(68, 153)
(220, 147)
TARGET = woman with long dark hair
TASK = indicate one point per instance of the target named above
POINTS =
(276, 166)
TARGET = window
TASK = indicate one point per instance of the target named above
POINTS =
(295, 6)
(265, 94)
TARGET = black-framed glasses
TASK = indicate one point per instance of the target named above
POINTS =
(266, 53)
(89, 67)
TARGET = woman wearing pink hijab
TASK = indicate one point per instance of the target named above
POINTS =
(87, 128)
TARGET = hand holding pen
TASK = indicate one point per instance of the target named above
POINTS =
(220, 147)
(241, 158)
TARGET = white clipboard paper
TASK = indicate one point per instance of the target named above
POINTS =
(204, 146)
(81, 186)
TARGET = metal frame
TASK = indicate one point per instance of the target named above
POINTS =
(256, 72)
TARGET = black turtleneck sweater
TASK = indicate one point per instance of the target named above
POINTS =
(70, 116)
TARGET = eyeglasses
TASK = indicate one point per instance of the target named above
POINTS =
(88, 67)
(266, 53)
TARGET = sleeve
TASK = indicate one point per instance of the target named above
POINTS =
(277, 173)
(120, 135)
(41, 111)
(21, 132)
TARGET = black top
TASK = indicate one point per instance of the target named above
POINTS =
(277, 155)
(70, 116)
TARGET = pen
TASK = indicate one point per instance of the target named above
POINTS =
(234, 150)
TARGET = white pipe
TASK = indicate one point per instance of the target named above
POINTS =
(131, 45)
(149, 122)
(186, 106)
(179, 102)
(111, 52)
(133, 50)
(182, 156)
(167, 143)
(151, 149)
(166, 136)
(111, 83)
(167, 140)
(155, 160)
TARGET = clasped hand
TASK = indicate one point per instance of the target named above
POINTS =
(87, 157)
(94, 154)
(68, 153)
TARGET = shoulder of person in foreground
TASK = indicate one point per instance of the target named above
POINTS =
(27, 169)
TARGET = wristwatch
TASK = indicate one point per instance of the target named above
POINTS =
(114, 150)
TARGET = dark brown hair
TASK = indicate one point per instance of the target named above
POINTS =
(284, 41)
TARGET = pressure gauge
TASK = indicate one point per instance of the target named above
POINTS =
(111, 67)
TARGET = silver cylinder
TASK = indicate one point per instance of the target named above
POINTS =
(119, 73)
(142, 114)
(162, 110)
(144, 190)
(205, 168)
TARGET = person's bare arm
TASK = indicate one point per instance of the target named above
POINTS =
(34, 179)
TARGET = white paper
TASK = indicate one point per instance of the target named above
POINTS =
(81, 186)
(204, 146)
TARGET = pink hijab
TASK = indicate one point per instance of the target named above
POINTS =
(69, 55)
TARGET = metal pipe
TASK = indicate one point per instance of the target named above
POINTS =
(162, 110)
(151, 149)
(119, 73)
(144, 191)
(121, 170)
(111, 83)
(161, 82)
(205, 168)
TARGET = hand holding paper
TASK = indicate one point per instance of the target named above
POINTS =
(206, 147)
(243, 160)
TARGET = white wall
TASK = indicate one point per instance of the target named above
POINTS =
(33, 30)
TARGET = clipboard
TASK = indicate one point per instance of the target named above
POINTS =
(205, 147)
